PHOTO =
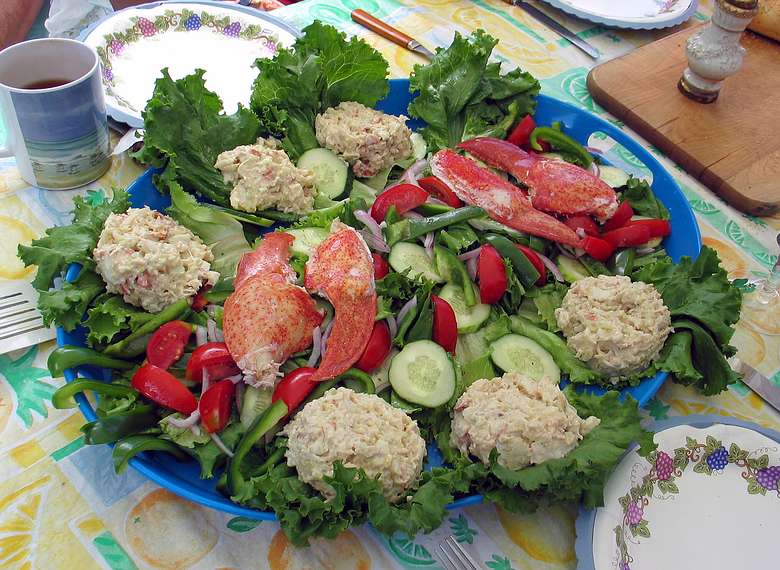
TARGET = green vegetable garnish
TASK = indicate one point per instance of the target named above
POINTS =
(562, 143)
(63, 397)
(67, 356)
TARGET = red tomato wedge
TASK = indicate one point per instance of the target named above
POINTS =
(295, 387)
(628, 236)
(491, 275)
(381, 268)
(584, 223)
(619, 219)
(521, 134)
(597, 248)
(199, 302)
(536, 261)
(215, 404)
(377, 349)
(162, 388)
(440, 190)
(213, 358)
(404, 197)
(657, 228)
(445, 327)
(167, 343)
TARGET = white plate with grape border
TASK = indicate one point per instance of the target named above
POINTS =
(136, 43)
(631, 14)
(707, 498)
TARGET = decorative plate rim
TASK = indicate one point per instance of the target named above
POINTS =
(639, 24)
(586, 519)
(177, 7)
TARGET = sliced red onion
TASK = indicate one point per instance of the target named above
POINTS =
(201, 335)
(240, 388)
(326, 335)
(373, 243)
(432, 200)
(565, 252)
(408, 306)
(206, 383)
(469, 254)
(211, 310)
(316, 346)
(413, 172)
(645, 250)
(184, 423)
(412, 215)
(392, 326)
(548, 263)
(221, 444)
(594, 168)
(471, 267)
(376, 241)
(370, 223)
(219, 336)
(211, 330)
(236, 378)
(580, 233)
(428, 244)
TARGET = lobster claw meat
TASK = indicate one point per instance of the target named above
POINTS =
(554, 185)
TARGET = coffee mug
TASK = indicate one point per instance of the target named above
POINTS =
(52, 103)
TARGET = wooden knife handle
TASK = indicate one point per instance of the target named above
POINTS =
(385, 30)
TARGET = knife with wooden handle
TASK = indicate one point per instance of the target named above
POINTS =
(390, 33)
(757, 382)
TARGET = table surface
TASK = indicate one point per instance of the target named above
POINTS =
(62, 506)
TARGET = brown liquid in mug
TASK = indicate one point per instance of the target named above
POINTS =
(46, 83)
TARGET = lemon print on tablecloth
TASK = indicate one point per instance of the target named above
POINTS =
(6, 405)
(547, 536)
(169, 532)
(345, 552)
(732, 260)
(19, 514)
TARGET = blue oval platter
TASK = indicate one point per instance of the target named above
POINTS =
(183, 478)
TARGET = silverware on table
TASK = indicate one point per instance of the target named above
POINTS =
(564, 32)
(757, 382)
(21, 323)
(454, 556)
(390, 33)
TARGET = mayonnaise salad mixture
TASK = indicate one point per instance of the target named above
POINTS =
(263, 177)
(361, 430)
(615, 325)
(151, 260)
(527, 421)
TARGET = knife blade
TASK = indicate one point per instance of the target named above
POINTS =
(390, 33)
(757, 382)
(562, 31)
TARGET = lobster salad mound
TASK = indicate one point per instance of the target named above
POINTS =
(417, 292)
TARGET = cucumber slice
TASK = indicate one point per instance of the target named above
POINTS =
(409, 256)
(255, 402)
(515, 353)
(469, 319)
(613, 176)
(571, 269)
(307, 240)
(422, 373)
(332, 175)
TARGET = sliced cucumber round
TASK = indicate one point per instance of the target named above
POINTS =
(613, 176)
(515, 353)
(410, 256)
(307, 240)
(422, 373)
(332, 175)
(571, 269)
(469, 319)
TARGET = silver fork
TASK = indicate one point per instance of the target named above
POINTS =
(21, 323)
(456, 556)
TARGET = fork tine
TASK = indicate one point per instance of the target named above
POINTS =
(466, 556)
(448, 558)
(456, 555)
(7, 321)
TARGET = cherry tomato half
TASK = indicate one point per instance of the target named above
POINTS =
(522, 132)
(597, 248)
(215, 404)
(214, 358)
(584, 223)
(628, 236)
(445, 327)
(381, 268)
(536, 261)
(199, 302)
(491, 275)
(377, 349)
(657, 228)
(294, 387)
(162, 388)
(404, 197)
(620, 217)
(438, 189)
(167, 343)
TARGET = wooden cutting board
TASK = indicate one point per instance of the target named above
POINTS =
(732, 145)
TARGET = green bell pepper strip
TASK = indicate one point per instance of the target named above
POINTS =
(594, 267)
(69, 356)
(523, 268)
(220, 291)
(453, 270)
(63, 397)
(412, 229)
(278, 216)
(245, 217)
(428, 209)
(119, 426)
(422, 329)
(236, 483)
(561, 142)
(354, 379)
(622, 262)
(129, 447)
(127, 347)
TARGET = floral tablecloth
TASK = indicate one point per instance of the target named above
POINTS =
(62, 506)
